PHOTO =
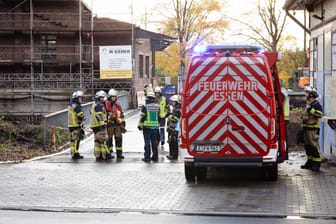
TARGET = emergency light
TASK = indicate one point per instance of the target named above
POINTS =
(228, 49)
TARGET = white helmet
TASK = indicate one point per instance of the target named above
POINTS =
(77, 94)
(157, 89)
(174, 98)
(100, 93)
(309, 88)
(112, 92)
(151, 94)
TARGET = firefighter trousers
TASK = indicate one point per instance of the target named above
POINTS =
(74, 140)
(100, 142)
(150, 139)
(173, 144)
(312, 147)
(116, 133)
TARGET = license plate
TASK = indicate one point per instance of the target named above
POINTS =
(207, 148)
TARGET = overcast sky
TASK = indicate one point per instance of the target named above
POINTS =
(122, 10)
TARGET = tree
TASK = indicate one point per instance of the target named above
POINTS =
(288, 66)
(272, 23)
(192, 21)
(167, 63)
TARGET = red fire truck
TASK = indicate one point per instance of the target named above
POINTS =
(232, 112)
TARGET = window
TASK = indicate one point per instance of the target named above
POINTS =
(48, 47)
(147, 66)
(141, 68)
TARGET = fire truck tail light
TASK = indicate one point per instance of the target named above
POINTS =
(183, 128)
(272, 128)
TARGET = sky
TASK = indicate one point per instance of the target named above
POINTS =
(122, 10)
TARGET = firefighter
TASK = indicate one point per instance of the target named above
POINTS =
(149, 125)
(116, 125)
(311, 128)
(173, 127)
(75, 120)
(98, 125)
(148, 88)
(286, 109)
(161, 101)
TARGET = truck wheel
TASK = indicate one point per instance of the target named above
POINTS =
(189, 171)
(270, 173)
(201, 173)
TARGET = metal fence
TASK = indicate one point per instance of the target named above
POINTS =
(59, 119)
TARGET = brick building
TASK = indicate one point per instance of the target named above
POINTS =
(49, 48)
(321, 28)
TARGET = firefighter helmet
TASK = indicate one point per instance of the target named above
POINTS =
(150, 94)
(112, 92)
(313, 94)
(308, 88)
(100, 93)
(174, 98)
(77, 94)
(157, 89)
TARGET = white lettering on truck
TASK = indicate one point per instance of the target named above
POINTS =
(227, 90)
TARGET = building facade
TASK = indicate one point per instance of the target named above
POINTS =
(49, 48)
(321, 27)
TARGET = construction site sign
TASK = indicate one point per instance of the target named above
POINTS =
(115, 62)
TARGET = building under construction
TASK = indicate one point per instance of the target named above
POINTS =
(49, 48)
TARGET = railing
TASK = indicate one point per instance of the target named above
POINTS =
(62, 53)
(56, 81)
(44, 21)
(59, 119)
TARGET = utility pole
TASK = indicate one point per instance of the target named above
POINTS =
(32, 85)
(80, 44)
(92, 50)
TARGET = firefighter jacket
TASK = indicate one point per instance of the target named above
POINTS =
(98, 114)
(285, 101)
(115, 114)
(149, 116)
(161, 101)
(174, 118)
(75, 114)
(312, 114)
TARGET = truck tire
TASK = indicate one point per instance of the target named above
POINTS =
(189, 171)
(201, 173)
(270, 173)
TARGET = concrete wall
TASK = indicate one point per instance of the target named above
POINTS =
(323, 69)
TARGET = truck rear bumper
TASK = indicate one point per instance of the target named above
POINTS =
(221, 161)
(228, 161)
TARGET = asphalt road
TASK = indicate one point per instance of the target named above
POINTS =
(131, 191)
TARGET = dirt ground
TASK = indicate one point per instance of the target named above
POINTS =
(22, 141)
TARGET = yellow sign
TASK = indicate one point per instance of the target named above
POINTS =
(116, 74)
(115, 62)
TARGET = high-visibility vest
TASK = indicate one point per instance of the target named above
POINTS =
(163, 106)
(286, 108)
(152, 113)
(98, 115)
(75, 118)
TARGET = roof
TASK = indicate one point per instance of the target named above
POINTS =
(298, 4)
(158, 41)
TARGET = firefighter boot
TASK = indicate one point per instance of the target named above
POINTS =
(315, 166)
(307, 165)
(119, 154)
(77, 156)
(109, 156)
